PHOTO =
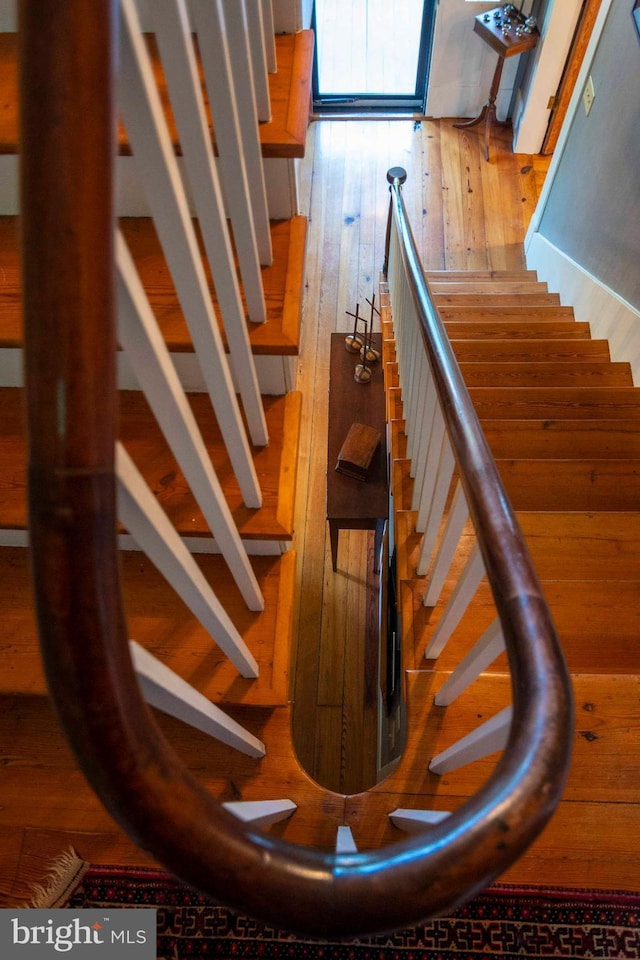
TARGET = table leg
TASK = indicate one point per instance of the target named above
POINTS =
(334, 530)
(377, 545)
(488, 112)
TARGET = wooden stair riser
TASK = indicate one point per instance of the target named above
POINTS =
(572, 403)
(551, 374)
(530, 351)
(515, 330)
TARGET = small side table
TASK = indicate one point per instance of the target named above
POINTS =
(505, 45)
(355, 504)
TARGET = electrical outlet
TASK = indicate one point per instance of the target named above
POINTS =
(588, 96)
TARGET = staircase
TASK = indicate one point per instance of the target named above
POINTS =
(168, 625)
(562, 423)
(181, 671)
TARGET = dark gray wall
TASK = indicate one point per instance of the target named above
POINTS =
(593, 209)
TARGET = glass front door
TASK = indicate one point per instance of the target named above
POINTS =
(372, 54)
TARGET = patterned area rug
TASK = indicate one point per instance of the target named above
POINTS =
(503, 922)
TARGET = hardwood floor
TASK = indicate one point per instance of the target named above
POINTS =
(466, 214)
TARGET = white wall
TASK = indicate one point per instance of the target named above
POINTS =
(584, 238)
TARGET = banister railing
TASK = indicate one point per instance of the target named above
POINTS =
(68, 132)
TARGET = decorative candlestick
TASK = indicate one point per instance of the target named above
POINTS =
(368, 352)
(353, 342)
(363, 372)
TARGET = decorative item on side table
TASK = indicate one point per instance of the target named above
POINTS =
(509, 32)
(362, 372)
(353, 341)
(356, 453)
(368, 353)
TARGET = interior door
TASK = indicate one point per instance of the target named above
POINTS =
(372, 55)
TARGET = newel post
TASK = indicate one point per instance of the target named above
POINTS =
(396, 176)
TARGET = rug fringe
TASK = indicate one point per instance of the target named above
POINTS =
(62, 878)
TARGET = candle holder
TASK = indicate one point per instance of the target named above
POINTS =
(353, 341)
(368, 353)
(362, 373)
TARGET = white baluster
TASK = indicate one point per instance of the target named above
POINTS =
(456, 520)
(481, 742)
(482, 654)
(459, 600)
(255, 25)
(222, 35)
(140, 104)
(261, 813)
(426, 414)
(173, 32)
(416, 821)
(438, 503)
(423, 495)
(344, 841)
(166, 691)
(149, 358)
(208, 20)
(150, 527)
(269, 35)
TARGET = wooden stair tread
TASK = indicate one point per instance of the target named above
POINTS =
(41, 765)
(290, 89)
(564, 545)
(275, 465)
(519, 403)
(596, 621)
(563, 439)
(160, 622)
(572, 484)
(283, 285)
(522, 351)
(605, 739)
(508, 330)
(546, 374)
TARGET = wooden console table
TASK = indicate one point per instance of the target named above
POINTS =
(355, 504)
(505, 45)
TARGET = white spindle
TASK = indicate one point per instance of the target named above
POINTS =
(151, 529)
(173, 32)
(269, 35)
(344, 841)
(459, 600)
(222, 36)
(208, 20)
(481, 742)
(438, 504)
(261, 813)
(169, 693)
(426, 413)
(150, 361)
(140, 105)
(482, 654)
(416, 821)
(255, 27)
(456, 520)
(423, 494)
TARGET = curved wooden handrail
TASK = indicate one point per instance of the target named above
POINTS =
(67, 236)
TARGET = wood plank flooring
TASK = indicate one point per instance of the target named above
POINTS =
(466, 214)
